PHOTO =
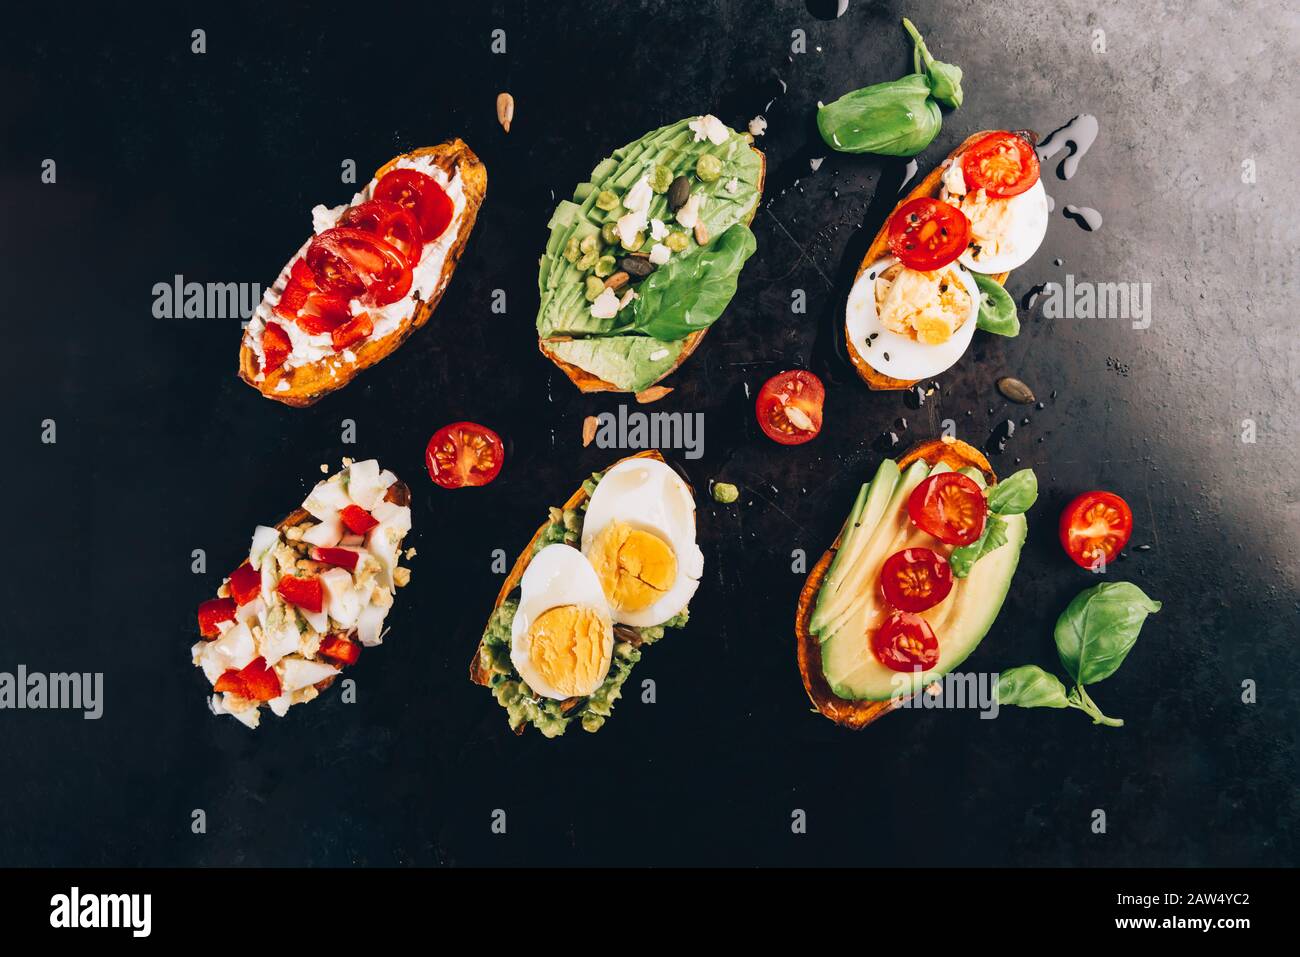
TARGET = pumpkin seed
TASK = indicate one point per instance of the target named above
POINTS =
(638, 266)
(505, 110)
(617, 281)
(678, 193)
(1015, 390)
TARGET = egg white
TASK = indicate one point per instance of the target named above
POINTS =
(648, 495)
(908, 358)
(1025, 235)
(557, 575)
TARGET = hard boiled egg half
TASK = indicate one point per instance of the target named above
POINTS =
(639, 536)
(1004, 233)
(561, 639)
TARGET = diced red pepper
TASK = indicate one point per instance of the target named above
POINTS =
(212, 613)
(245, 584)
(323, 312)
(342, 557)
(357, 519)
(306, 593)
(353, 331)
(340, 649)
(275, 347)
(255, 681)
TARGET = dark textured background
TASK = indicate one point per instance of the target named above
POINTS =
(208, 166)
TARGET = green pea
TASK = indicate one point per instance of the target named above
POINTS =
(661, 179)
(725, 492)
(708, 167)
(571, 249)
(594, 288)
(607, 200)
(609, 233)
(589, 244)
(677, 241)
(605, 266)
(588, 259)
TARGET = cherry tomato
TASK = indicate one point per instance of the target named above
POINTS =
(357, 519)
(355, 264)
(905, 642)
(1096, 525)
(353, 331)
(245, 584)
(464, 454)
(421, 194)
(789, 407)
(915, 579)
(949, 506)
(306, 593)
(1001, 164)
(212, 613)
(927, 234)
(276, 347)
(394, 224)
(340, 649)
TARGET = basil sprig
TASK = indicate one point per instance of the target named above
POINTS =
(997, 309)
(1093, 636)
(1013, 496)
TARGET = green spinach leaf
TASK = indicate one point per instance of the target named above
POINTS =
(1029, 686)
(1014, 495)
(689, 293)
(997, 309)
(963, 558)
(1098, 629)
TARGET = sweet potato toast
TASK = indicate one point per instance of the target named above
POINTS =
(303, 385)
(858, 714)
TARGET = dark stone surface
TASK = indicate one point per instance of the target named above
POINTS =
(208, 166)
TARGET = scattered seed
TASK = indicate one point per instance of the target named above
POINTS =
(701, 233)
(505, 110)
(638, 266)
(1015, 390)
(652, 394)
(617, 281)
(678, 193)
(589, 430)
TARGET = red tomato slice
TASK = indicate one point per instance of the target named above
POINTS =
(357, 519)
(1001, 164)
(341, 557)
(357, 265)
(276, 347)
(949, 506)
(464, 454)
(1096, 525)
(905, 642)
(212, 613)
(255, 681)
(353, 331)
(927, 234)
(306, 593)
(245, 584)
(789, 407)
(915, 579)
(340, 649)
(323, 312)
(394, 224)
(421, 194)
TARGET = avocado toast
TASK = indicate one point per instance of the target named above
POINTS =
(646, 255)
(844, 606)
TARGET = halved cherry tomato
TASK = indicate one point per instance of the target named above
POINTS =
(421, 194)
(394, 224)
(1001, 164)
(254, 681)
(341, 557)
(245, 584)
(905, 642)
(357, 519)
(355, 264)
(212, 613)
(353, 331)
(927, 234)
(1096, 525)
(340, 649)
(306, 593)
(464, 454)
(276, 347)
(789, 407)
(949, 506)
(323, 312)
(915, 579)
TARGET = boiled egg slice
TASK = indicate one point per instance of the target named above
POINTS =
(907, 357)
(1004, 233)
(561, 639)
(639, 535)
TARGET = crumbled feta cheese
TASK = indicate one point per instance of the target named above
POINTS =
(638, 197)
(605, 306)
(689, 214)
(657, 229)
(758, 125)
(630, 225)
(954, 180)
(733, 185)
(709, 127)
(325, 217)
(658, 354)
(816, 162)
(659, 254)
(627, 297)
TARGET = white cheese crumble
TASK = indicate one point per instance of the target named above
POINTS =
(709, 127)
(758, 125)
(606, 305)
(689, 214)
(659, 254)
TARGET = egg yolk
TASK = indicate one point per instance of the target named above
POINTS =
(567, 645)
(636, 568)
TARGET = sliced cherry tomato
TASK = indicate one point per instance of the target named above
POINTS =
(949, 506)
(212, 613)
(905, 642)
(927, 234)
(353, 331)
(340, 649)
(355, 264)
(464, 454)
(340, 557)
(1096, 525)
(915, 579)
(789, 407)
(245, 584)
(323, 312)
(394, 224)
(357, 519)
(306, 593)
(254, 681)
(421, 194)
(276, 347)
(1001, 164)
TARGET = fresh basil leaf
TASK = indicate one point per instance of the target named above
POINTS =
(1029, 686)
(944, 78)
(1014, 495)
(963, 559)
(1099, 627)
(997, 309)
(898, 118)
(689, 293)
